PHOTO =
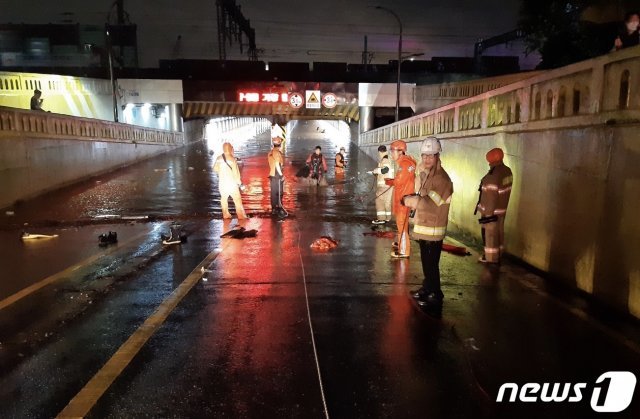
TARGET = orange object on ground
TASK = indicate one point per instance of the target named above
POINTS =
(382, 234)
(324, 243)
(456, 250)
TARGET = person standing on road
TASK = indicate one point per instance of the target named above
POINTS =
(229, 182)
(276, 177)
(431, 204)
(495, 190)
(403, 184)
(340, 162)
(384, 192)
(317, 166)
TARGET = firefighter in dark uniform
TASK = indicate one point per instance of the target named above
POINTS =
(495, 189)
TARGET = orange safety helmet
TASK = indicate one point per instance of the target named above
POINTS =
(399, 145)
(227, 148)
(276, 140)
(495, 155)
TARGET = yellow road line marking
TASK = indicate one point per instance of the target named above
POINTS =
(53, 278)
(84, 401)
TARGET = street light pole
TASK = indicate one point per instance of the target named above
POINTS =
(399, 59)
(113, 82)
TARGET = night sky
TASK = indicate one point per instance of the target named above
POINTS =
(286, 30)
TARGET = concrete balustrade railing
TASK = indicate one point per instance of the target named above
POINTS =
(48, 125)
(604, 87)
(572, 138)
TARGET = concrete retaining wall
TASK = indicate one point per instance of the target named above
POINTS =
(31, 166)
(571, 136)
(574, 207)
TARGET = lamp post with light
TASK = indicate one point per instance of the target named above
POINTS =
(399, 58)
(113, 82)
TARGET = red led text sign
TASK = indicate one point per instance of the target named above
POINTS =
(259, 97)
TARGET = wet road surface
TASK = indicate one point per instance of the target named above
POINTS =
(272, 328)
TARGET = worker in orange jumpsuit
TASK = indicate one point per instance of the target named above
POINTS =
(229, 182)
(403, 184)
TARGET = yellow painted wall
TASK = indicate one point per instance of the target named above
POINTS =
(575, 205)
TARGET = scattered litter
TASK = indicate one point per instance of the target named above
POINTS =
(105, 239)
(29, 236)
(324, 243)
(191, 168)
(98, 181)
(160, 170)
(239, 233)
(204, 278)
(10, 213)
(175, 236)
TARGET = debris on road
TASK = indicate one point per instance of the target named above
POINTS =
(324, 243)
(29, 236)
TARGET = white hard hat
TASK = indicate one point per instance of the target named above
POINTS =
(430, 145)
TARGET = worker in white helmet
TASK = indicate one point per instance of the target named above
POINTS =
(229, 182)
(431, 204)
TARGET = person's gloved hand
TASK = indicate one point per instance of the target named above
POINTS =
(369, 172)
(242, 187)
(411, 201)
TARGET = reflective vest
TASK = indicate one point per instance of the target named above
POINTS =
(274, 157)
(432, 213)
(339, 163)
(382, 164)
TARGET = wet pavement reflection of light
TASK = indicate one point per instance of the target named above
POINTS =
(239, 344)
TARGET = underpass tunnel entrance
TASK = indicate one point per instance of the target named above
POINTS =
(251, 140)
(240, 130)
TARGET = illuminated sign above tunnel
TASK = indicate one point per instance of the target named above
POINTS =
(261, 97)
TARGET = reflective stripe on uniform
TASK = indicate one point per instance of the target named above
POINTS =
(489, 187)
(491, 250)
(500, 211)
(429, 231)
(381, 213)
(504, 190)
(437, 199)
